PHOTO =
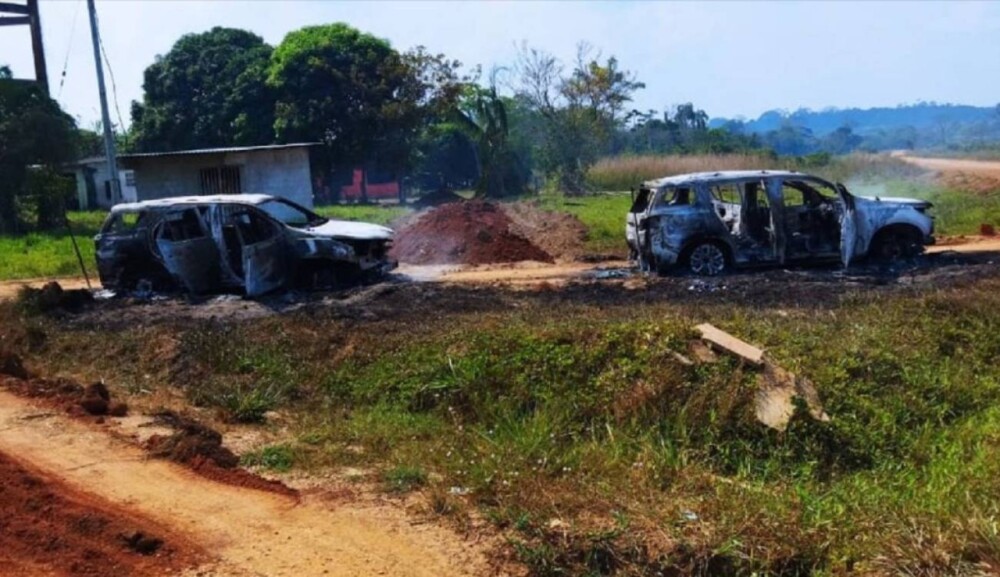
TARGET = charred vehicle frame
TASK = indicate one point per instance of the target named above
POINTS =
(711, 222)
(249, 243)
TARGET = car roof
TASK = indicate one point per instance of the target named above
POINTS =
(721, 176)
(165, 203)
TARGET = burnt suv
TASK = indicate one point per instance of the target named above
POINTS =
(250, 243)
(710, 222)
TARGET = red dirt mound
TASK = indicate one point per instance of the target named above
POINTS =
(464, 233)
(47, 528)
(95, 399)
(200, 448)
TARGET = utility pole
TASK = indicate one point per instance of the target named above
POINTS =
(109, 137)
(28, 14)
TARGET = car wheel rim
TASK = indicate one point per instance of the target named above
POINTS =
(707, 259)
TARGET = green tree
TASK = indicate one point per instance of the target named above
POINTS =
(582, 109)
(483, 115)
(208, 91)
(336, 85)
(352, 91)
(33, 131)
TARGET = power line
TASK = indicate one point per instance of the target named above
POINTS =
(72, 31)
(114, 87)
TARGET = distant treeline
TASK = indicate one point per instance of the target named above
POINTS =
(927, 126)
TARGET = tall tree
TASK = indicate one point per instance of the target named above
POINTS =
(367, 102)
(335, 84)
(33, 131)
(208, 91)
(582, 109)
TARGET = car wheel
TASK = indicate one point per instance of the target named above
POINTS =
(891, 245)
(707, 259)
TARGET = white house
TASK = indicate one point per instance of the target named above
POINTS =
(278, 170)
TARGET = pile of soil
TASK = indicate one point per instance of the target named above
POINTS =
(464, 233)
(560, 234)
(200, 448)
(47, 528)
(94, 399)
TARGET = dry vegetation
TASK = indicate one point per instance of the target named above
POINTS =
(623, 172)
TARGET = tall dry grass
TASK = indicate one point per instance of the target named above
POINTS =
(623, 172)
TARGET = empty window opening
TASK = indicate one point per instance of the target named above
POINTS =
(680, 196)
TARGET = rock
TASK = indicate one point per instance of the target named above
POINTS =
(94, 405)
(11, 364)
(141, 543)
(97, 390)
(117, 409)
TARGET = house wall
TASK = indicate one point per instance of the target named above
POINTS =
(280, 172)
(98, 175)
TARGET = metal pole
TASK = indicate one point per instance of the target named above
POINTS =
(37, 48)
(109, 138)
(79, 257)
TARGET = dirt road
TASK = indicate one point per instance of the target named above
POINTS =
(965, 174)
(246, 532)
(970, 166)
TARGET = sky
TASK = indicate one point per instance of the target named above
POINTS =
(731, 59)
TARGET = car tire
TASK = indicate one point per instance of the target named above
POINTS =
(707, 258)
(893, 244)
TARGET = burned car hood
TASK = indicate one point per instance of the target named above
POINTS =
(349, 229)
(915, 202)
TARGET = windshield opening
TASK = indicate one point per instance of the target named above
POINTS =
(291, 214)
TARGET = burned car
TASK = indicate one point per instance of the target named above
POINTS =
(250, 243)
(711, 222)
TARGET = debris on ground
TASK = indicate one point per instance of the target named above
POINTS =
(52, 297)
(727, 342)
(777, 388)
(473, 232)
(776, 393)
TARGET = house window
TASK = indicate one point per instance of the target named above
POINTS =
(221, 180)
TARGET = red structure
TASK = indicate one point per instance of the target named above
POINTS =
(376, 190)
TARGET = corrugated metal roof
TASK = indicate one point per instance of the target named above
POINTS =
(225, 150)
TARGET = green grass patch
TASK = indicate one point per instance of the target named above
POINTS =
(403, 479)
(374, 213)
(577, 428)
(279, 458)
(50, 254)
(602, 214)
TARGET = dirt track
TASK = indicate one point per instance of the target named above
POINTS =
(245, 532)
(970, 166)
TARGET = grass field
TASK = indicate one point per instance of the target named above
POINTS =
(572, 426)
(50, 254)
